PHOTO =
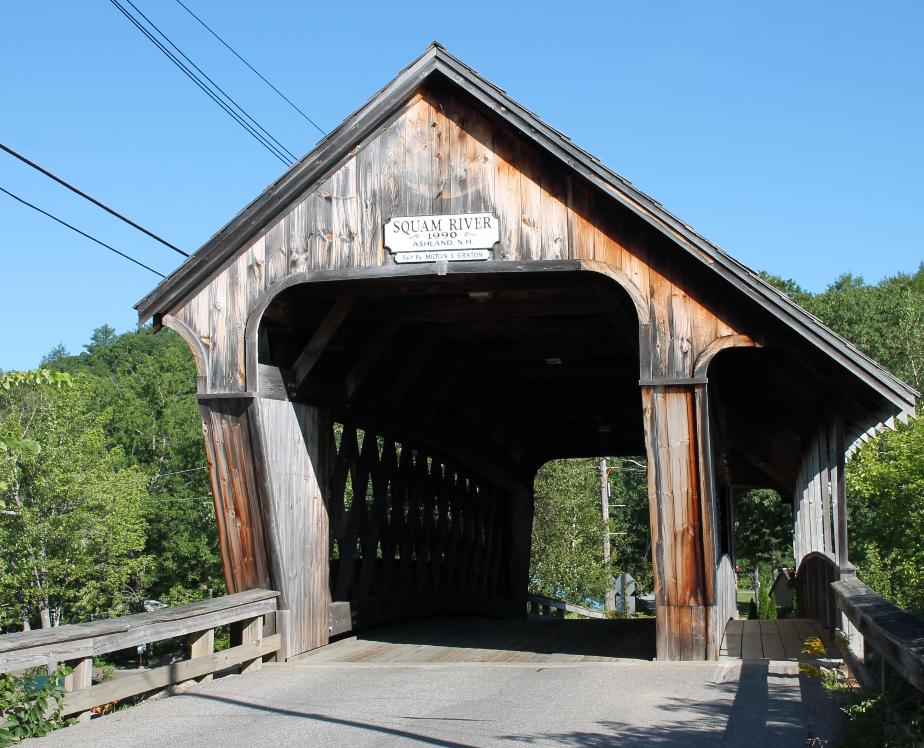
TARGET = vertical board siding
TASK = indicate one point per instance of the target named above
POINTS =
(231, 459)
(290, 437)
(369, 232)
(439, 156)
(680, 519)
(816, 506)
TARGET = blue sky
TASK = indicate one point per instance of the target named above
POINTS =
(789, 133)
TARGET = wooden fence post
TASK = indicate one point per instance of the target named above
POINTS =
(200, 645)
(252, 631)
(81, 677)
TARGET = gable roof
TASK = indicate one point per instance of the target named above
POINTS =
(197, 270)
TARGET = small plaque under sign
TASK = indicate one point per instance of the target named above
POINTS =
(452, 238)
(448, 255)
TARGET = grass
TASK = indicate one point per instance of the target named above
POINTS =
(744, 598)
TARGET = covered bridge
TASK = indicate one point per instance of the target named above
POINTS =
(443, 295)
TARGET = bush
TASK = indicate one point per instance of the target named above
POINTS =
(767, 605)
(31, 705)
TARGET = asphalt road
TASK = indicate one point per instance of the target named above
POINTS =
(753, 703)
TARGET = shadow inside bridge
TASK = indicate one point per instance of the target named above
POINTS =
(471, 639)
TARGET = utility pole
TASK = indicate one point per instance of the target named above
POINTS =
(610, 601)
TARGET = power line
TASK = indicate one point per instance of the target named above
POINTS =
(224, 93)
(279, 154)
(92, 199)
(82, 233)
(252, 68)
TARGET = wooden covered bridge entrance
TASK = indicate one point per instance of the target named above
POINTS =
(443, 295)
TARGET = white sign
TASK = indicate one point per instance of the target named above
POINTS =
(467, 236)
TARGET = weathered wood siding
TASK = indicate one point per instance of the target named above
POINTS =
(820, 496)
(442, 156)
(231, 456)
(293, 470)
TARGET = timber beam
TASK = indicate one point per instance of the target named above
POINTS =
(318, 343)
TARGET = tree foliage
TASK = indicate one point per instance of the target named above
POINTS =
(568, 529)
(885, 484)
(150, 385)
(763, 535)
(71, 526)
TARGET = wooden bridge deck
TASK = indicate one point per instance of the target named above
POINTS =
(491, 640)
(470, 639)
(769, 640)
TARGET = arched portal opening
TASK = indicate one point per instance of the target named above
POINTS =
(766, 404)
(434, 400)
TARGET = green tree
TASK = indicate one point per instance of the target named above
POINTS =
(71, 527)
(567, 542)
(763, 534)
(149, 382)
(885, 484)
(629, 520)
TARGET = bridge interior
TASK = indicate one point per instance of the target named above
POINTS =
(438, 397)
(529, 366)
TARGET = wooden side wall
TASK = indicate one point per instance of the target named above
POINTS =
(726, 604)
(819, 502)
(409, 523)
(294, 477)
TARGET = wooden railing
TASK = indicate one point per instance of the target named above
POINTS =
(896, 636)
(545, 607)
(878, 632)
(78, 644)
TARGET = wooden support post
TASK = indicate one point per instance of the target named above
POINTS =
(81, 677)
(238, 511)
(520, 514)
(252, 631)
(681, 523)
(839, 490)
(291, 455)
(201, 645)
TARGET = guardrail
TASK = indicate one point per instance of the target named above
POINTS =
(543, 607)
(77, 645)
(895, 635)
(878, 632)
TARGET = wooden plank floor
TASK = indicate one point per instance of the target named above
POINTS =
(492, 640)
(769, 640)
